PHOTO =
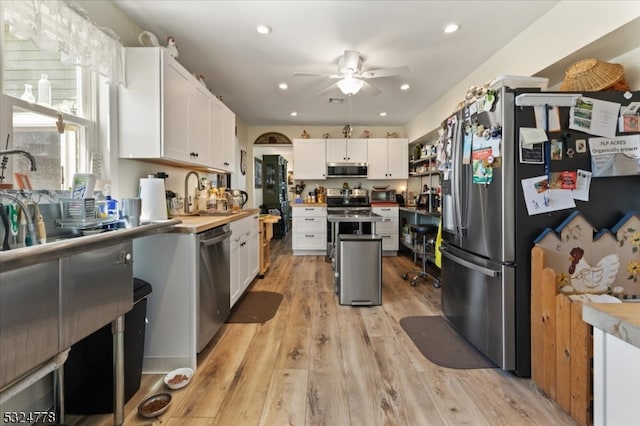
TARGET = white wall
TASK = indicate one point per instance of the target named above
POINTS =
(570, 27)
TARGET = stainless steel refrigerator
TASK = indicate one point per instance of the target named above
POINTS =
(488, 234)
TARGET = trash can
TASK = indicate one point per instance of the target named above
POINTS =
(88, 372)
(359, 269)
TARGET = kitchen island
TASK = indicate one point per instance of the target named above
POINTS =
(616, 361)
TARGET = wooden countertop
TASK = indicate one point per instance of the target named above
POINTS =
(618, 319)
(196, 224)
(308, 204)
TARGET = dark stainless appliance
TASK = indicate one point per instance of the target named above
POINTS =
(488, 234)
(214, 283)
(346, 170)
(383, 195)
(350, 200)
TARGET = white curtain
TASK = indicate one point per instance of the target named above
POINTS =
(55, 26)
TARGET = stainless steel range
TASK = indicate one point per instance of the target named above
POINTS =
(348, 201)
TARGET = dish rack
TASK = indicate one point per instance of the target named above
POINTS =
(81, 213)
(77, 208)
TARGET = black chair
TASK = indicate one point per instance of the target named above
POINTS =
(424, 242)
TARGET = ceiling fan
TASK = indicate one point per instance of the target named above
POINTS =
(352, 78)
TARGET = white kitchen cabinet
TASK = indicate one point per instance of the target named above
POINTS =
(244, 256)
(388, 158)
(223, 136)
(309, 230)
(309, 159)
(346, 150)
(388, 228)
(254, 247)
(164, 113)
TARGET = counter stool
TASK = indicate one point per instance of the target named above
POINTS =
(424, 242)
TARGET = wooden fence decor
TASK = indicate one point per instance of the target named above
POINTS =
(570, 261)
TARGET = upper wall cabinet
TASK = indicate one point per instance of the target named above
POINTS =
(223, 136)
(346, 150)
(166, 114)
(388, 158)
(309, 159)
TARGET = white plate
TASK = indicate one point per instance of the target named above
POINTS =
(180, 371)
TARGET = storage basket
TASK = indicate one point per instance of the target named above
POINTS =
(78, 208)
(590, 75)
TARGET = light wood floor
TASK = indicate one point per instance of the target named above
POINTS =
(319, 363)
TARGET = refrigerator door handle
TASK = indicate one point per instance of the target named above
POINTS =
(457, 161)
(486, 271)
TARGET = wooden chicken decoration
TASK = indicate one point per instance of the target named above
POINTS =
(172, 48)
(608, 262)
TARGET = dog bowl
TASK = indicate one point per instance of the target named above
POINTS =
(179, 378)
(154, 405)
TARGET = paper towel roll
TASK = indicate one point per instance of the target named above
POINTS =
(154, 205)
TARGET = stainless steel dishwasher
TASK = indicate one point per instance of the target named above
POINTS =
(214, 282)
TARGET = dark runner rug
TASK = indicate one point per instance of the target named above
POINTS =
(441, 344)
(255, 306)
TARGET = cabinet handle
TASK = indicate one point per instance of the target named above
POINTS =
(310, 209)
(226, 163)
(310, 218)
(385, 210)
(309, 236)
(385, 236)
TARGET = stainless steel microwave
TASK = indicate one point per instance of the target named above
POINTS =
(346, 169)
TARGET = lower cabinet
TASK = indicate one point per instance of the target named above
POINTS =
(245, 255)
(388, 228)
(309, 236)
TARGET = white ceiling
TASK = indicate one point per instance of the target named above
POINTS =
(218, 40)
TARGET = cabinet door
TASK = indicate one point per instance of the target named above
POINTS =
(175, 120)
(254, 247)
(377, 158)
(398, 159)
(229, 139)
(200, 125)
(223, 127)
(235, 270)
(357, 150)
(336, 150)
(309, 159)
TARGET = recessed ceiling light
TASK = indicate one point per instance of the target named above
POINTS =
(383, 114)
(294, 114)
(263, 29)
(451, 28)
(283, 86)
(404, 87)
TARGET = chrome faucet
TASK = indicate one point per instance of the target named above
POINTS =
(32, 161)
(30, 228)
(187, 199)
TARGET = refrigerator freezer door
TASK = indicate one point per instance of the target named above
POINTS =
(478, 299)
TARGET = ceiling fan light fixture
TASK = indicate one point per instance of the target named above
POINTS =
(350, 85)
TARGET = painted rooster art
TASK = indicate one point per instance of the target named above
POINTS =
(595, 279)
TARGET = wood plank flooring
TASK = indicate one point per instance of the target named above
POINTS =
(319, 363)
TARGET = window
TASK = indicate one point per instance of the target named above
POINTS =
(55, 39)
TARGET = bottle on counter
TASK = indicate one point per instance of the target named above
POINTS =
(44, 90)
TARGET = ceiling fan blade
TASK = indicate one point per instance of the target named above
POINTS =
(370, 89)
(315, 74)
(385, 72)
(333, 87)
